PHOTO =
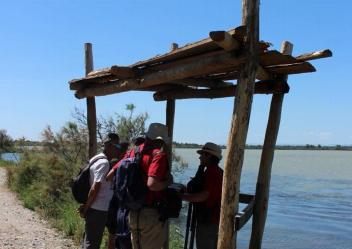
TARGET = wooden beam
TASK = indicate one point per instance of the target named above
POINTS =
(199, 82)
(91, 111)
(190, 70)
(224, 40)
(192, 49)
(262, 87)
(243, 216)
(264, 175)
(228, 43)
(239, 127)
(314, 55)
(296, 68)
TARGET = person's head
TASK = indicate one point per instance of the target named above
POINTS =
(157, 135)
(210, 154)
(123, 149)
(111, 145)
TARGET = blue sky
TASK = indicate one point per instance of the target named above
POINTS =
(42, 48)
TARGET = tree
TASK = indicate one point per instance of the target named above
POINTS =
(319, 146)
(6, 142)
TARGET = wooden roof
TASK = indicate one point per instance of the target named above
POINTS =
(203, 63)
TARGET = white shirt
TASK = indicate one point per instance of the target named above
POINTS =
(98, 172)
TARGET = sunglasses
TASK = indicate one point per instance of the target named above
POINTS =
(117, 146)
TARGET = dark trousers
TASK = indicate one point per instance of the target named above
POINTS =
(207, 236)
(95, 221)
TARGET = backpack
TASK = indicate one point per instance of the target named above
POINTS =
(131, 190)
(80, 184)
(123, 235)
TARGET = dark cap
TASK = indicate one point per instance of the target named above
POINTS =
(111, 137)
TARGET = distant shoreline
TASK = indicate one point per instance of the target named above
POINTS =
(278, 147)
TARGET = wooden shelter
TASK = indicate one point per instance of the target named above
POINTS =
(202, 70)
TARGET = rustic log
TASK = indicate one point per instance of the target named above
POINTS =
(193, 49)
(274, 57)
(170, 117)
(314, 55)
(261, 87)
(91, 112)
(123, 72)
(225, 40)
(239, 127)
(228, 43)
(202, 83)
(296, 68)
(264, 174)
(181, 72)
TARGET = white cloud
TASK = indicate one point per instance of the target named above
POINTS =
(308, 133)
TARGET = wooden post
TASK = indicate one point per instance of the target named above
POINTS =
(263, 182)
(170, 117)
(91, 112)
(239, 127)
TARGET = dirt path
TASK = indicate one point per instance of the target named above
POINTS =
(23, 228)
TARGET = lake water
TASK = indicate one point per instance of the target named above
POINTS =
(310, 204)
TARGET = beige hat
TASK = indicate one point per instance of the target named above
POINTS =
(158, 131)
(211, 149)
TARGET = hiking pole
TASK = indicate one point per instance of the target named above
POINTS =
(193, 228)
(189, 214)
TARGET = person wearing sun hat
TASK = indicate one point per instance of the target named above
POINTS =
(147, 230)
(209, 197)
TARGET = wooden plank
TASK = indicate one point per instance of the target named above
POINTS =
(181, 72)
(239, 127)
(243, 216)
(314, 55)
(264, 174)
(296, 68)
(274, 57)
(228, 43)
(262, 87)
(245, 198)
(225, 40)
(191, 49)
(91, 111)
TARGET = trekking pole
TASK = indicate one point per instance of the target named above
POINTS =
(189, 214)
(193, 228)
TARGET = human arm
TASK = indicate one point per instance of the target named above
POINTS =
(198, 197)
(159, 178)
(155, 184)
(92, 195)
(110, 176)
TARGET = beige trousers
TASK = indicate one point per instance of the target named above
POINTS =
(152, 233)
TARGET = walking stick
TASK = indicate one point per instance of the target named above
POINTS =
(193, 228)
(189, 214)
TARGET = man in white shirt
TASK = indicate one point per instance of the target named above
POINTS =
(95, 211)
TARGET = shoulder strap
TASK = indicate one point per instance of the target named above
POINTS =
(96, 159)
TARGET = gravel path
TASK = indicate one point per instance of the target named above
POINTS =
(23, 228)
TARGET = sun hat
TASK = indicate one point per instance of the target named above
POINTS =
(211, 148)
(158, 131)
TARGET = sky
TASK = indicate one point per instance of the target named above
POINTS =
(42, 49)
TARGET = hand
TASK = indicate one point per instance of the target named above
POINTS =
(183, 189)
(81, 211)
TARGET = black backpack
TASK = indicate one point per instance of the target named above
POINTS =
(80, 184)
(131, 189)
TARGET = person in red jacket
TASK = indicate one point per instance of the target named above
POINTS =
(208, 220)
(147, 231)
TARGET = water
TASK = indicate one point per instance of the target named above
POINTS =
(11, 156)
(310, 203)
